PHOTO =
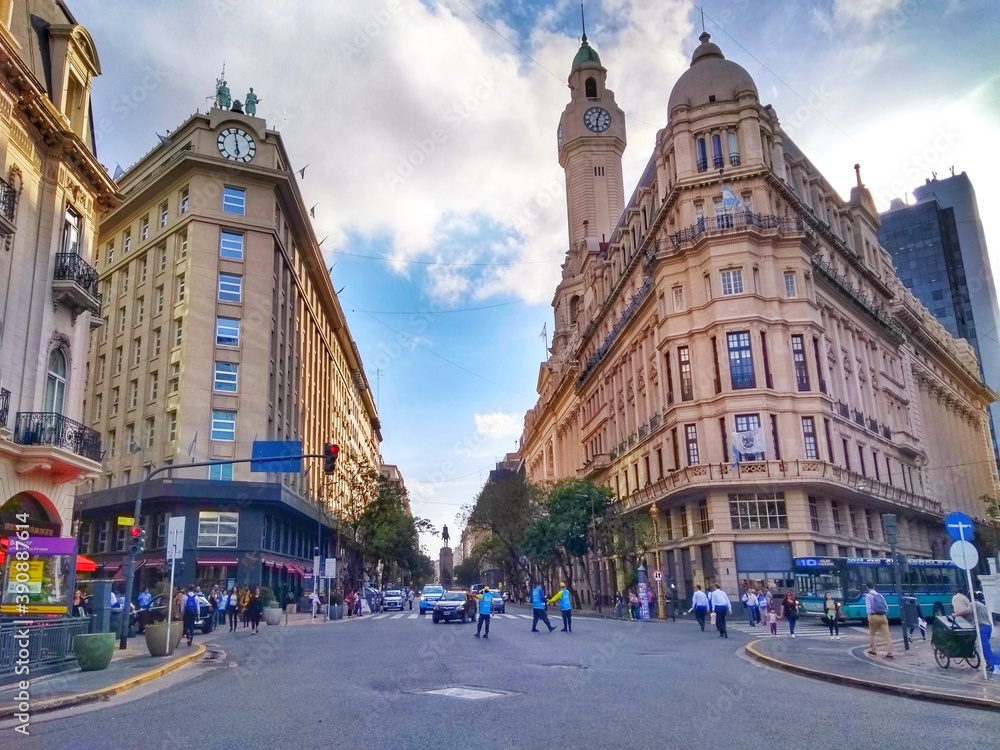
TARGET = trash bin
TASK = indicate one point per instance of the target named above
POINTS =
(912, 617)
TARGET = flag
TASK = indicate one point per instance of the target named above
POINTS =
(119, 172)
(192, 445)
(749, 442)
(163, 138)
(736, 458)
(729, 199)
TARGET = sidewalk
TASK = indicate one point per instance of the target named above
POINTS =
(912, 674)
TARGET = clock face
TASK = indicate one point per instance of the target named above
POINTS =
(559, 137)
(597, 119)
(236, 144)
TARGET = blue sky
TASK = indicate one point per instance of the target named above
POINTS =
(430, 138)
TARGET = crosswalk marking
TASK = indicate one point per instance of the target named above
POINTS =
(412, 617)
(379, 617)
(526, 617)
(397, 617)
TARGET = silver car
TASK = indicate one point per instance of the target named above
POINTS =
(393, 599)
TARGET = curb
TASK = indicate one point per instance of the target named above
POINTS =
(103, 694)
(966, 701)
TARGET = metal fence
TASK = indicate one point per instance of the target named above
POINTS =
(49, 642)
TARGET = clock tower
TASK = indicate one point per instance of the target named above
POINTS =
(591, 141)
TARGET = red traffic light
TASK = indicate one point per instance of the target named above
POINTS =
(135, 531)
(330, 453)
(334, 450)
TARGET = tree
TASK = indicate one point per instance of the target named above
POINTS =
(506, 509)
(467, 572)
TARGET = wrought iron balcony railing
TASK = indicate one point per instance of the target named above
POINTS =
(4, 406)
(51, 428)
(72, 267)
(8, 202)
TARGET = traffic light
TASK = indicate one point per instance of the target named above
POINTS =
(138, 541)
(330, 453)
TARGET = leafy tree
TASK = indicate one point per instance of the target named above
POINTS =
(506, 509)
(467, 571)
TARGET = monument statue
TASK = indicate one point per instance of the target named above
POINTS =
(222, 95)
(250, 102)
(444, 535)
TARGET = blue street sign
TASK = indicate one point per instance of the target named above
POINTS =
(959, 526)
(272, 449)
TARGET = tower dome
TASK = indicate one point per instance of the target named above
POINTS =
(710, 75)
(586, 55)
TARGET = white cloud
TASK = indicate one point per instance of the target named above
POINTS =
(499, 425)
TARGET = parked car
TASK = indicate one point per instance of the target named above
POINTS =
(393, 599)
(157, 612)
(429, 597)
(451, 606)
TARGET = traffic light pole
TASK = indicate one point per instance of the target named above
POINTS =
(130, 559)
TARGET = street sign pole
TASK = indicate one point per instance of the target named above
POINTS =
(890, 527)
(972, 595)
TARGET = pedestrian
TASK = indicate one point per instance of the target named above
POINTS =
(878, 620)
(315, 603)
(633, 606)
(762, 606)
(256, 609)
(290, 601)
(232, 607)
(790, 611)
(145, 598)
(772, 620)
(213, 606)
(78, 610)
(190, 613)
(357, 603)
(985, 630)
(565, 607)
(409, 597)
(349, 601)
(619, 605)
(750, 605)
(538, 609)
(832, 615)
(721, 606)
(245, 599)
(699, 603)
(485, 612)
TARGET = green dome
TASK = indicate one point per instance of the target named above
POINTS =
(586, 54)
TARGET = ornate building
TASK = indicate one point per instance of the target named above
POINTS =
(52, 194)
(733, 352)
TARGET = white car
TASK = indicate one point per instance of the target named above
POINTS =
(393, 599)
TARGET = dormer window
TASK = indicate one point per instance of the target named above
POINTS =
(76, 105)
(590, 86)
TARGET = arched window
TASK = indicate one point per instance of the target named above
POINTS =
(702, 156)
(55, 384)
(591, 88)
(717, 161)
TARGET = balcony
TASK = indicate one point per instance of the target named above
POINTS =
(718, 161)
(74, 284)
(597, 463)
(4, 406)
(872, 425)
(738, 221)
(734, 160)
(907, 443)
(859, 418)
(8, 205)
(50, 428)
(842, 410)
(770, 474)
(886, 432)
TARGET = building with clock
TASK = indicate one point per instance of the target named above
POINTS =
(733, 353)
(221, 327)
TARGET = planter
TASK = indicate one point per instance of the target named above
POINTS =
(337, 611)
(272, 615)
(156, 637)
(94, 650)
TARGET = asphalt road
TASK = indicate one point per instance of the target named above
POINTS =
(607, 685)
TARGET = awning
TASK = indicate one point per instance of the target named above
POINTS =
(120, 574)
(217, 560)
(296, 570)
(85, 564)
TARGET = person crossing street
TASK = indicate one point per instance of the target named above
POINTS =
(565, 607)
(485, 612)
(720, 604)
(538, 609)
(699, 603)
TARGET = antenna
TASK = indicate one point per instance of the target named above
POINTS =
(702, 9)
(583, 21)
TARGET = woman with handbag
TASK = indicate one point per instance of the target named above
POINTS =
(832, 615)
(232, 607)
(790, 611)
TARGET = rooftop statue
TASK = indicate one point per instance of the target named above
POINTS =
(222, 95)
(250, 102)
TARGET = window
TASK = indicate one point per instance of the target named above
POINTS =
(702, 155)
(120, 536)
(870, 528)
(181, 287)
(685, 528)
(678, 298)
(72, 229)
(140, 310)
(799, 361)
(221, 472)
(150, 431)
(98, 407)
(102, 536)
(838, 525)
(118, 361)
(144, 228)
(226, 376)
(217, 529)
(790, 290)
(114, 402)
(182, 244)
(691, 437)
(740, 360)
(122, 317)
(854, 522)
(227, 332)
(749, 423)
(732, 281)
(684, 361)
(758, 510)
(734, 150)
(703, 520)
(136, 352)
(127, 241)
(178, 332)
(231, 245)
(183, 202)
(223, 425)
(133, 394)
(86, 537)
(142, 271)
(230, 288)
(111, 252)
(814, 514)
(234, 200)
(129, 438)
(159, 299)
(163, 215)
(161, 257)
(101, 368)
(668, 525)
(154, 385)
(171, 426)
(809, 437)
(174, 382)
(55, 382)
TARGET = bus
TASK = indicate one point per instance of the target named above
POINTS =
(932, 582)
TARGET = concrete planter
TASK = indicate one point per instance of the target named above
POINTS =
(156, 637)
(94, 650)
(336, 611)
(272, 615)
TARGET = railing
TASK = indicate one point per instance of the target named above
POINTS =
(8, 200)
(619, 325)
(886, 432)
(654, 422)
(822, 387)
(642, 431)
(859, 418)
(872, 425)
(734, 160)
(48, 642)
(718, 161)
(740, 220)
(703, 165)
(51, 428)
(4, 406)
(842, 410)
(770, 472)
(874, 311)
(72, 267)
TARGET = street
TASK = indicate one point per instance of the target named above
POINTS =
(612, 684)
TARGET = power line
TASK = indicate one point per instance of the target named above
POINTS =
(387, 259)
(443, 312)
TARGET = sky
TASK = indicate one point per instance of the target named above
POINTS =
(428, 129)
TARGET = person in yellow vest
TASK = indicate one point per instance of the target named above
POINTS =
(565, 607)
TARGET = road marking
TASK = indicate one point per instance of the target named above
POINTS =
(379, 617)
(397, 617)
(412, 617)
(526, 617)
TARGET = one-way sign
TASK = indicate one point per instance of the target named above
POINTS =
(959, 526)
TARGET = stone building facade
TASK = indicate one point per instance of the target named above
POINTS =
(53, 192)
(736, 297)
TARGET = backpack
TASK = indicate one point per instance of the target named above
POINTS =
(191, 605)
(879, 606)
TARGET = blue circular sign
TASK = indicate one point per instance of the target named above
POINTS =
(959, 526)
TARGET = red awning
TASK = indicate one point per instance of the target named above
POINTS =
(85, 564)
(120, 573)
(215, 560)
(296, 570)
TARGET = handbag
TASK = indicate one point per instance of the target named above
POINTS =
(711, 618)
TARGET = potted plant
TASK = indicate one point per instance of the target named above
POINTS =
(157, 640)
(272, 610)
(94, 650)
